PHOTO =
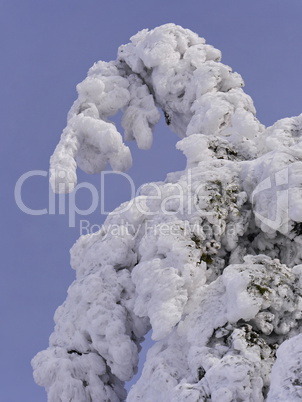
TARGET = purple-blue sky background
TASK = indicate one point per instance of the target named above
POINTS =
(46, 49)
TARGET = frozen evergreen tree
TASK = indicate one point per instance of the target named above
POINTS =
(210, 259)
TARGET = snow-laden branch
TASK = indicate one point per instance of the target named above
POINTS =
(168, 67)
(210, 259)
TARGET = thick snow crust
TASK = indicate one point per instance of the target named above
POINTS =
(209, 259)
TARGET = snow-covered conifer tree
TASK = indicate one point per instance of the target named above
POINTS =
(210, 259)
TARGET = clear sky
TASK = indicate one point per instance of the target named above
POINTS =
(47, 46)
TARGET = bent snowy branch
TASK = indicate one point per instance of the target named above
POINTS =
(169, 67)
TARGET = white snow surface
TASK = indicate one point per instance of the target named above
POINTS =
(210, 259)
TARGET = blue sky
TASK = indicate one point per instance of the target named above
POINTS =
(47, 48)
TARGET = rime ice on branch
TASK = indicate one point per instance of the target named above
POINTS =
(214, 273)
(170, 68)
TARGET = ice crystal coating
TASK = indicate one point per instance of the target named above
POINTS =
(210, 259)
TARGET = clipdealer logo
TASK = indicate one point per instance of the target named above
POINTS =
(175, 199)
(273, 193)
